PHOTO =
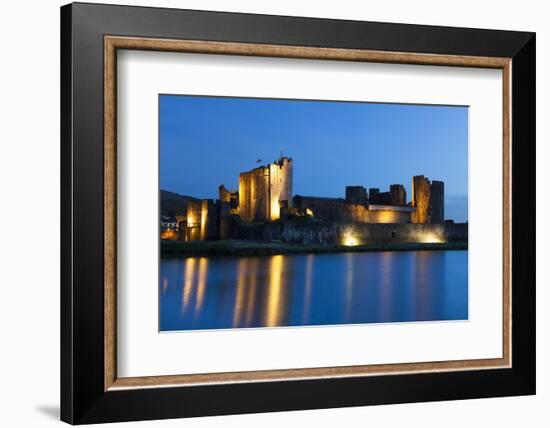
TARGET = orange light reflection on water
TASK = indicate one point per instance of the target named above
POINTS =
(194, 283)
(241, 290)
(274, 309)
(251, 302)
(201, 283)
(188, 282)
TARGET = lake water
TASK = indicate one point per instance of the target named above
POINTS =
(312, 289)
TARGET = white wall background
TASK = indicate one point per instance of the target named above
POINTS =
(29, 177)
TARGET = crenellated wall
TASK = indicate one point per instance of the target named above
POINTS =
(356, 195)
(337, 209)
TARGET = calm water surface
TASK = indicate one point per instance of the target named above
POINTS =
(344, 288)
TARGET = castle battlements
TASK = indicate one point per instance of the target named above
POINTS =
(265, 195)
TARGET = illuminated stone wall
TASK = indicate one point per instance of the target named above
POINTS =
(361, 214)
(202, 220)
(345, 233)
(421, 199)
(224, 195)
(280, 182)
(193, 230)
(321, 208)
(209, 220)
(337, 209)
(423, 232)
(253, 195)
(262, 189)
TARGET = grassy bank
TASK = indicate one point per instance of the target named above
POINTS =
(249, 248)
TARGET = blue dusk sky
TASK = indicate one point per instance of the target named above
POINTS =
(208, 141)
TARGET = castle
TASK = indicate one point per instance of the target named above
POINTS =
(265, 195)
(373, 206)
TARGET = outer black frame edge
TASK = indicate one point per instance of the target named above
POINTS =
(82, 397)
(301, 31)
(66, 306)
(524, 223)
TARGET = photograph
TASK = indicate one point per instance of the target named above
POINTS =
(296, 213)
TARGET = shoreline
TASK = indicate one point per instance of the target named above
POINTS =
(258, 248)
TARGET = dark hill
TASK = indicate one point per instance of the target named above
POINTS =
(172, 204)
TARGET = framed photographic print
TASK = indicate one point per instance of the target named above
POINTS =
(266, 213)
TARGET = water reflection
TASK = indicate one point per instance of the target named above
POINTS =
(201, 285)
(188, 282)
(246, 292)
(230, 292)
(308, 285)
(275, 289)
(385, 292)
(251, 292)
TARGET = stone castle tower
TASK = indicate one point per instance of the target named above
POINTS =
(429, 199)
(437, 202)
(398, 194)
(420, 199)
(264, 190)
